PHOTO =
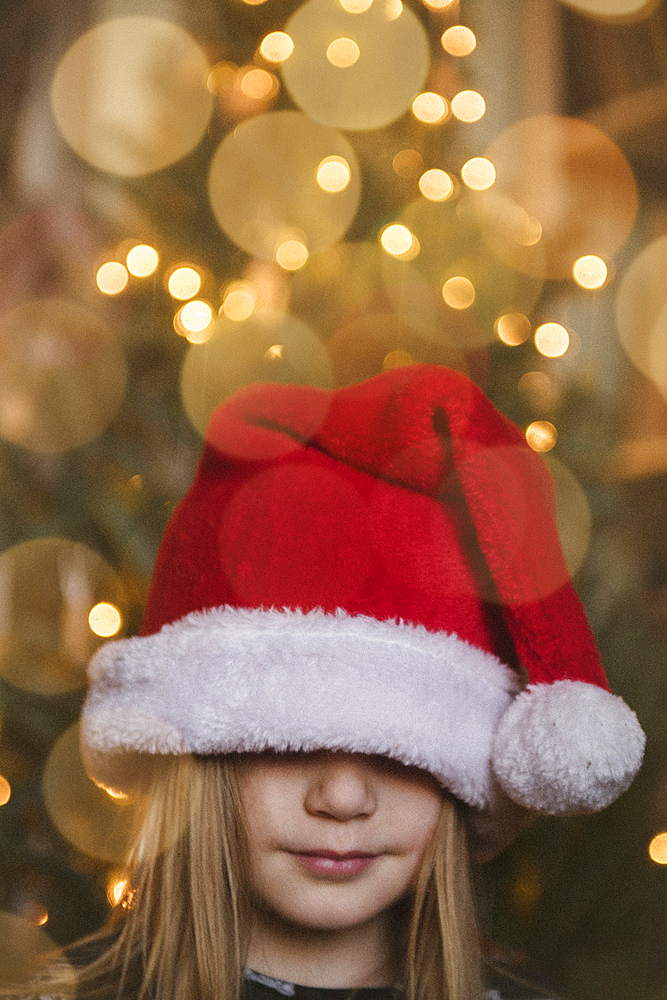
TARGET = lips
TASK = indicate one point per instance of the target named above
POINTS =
(332, 864)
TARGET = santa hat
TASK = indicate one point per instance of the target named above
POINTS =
(375, 569)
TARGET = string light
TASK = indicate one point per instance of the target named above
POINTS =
(429, 108)
(541, 435)
(333, 174)
(291, 255)
(513, 328)
(396, 239)
(436, 185)
(478, 173)
(343, 52)
(238, 302)
(468, 106)
(590, 272)
(277, 47)
(552, 340)
(184, 283)
(112, 277)
(458, 41)
(142, 260)
(458, 292)
(657, 849)
(105, 619)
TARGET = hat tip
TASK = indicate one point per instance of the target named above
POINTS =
(568, 747)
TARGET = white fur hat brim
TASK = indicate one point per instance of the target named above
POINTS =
(233, 680)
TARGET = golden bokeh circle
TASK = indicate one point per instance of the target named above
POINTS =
(614, 10)
(458, 40)
(641, 312)
(112, 277)
(48, 587)
(236, 355)
(541, 435)
(552, 340)
(572, 187)
(590, 271)
(381, 83)
(62, 375)
(574, 518)
(130, 97)
(92, 820)
(657, 849)
(451, 247)
(263, 186)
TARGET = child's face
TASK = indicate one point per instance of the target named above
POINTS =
(335, 838)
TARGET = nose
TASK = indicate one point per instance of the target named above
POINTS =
(341, 788)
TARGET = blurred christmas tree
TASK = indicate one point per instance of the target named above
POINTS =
(196, 197)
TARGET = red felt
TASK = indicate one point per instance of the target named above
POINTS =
(407, 496)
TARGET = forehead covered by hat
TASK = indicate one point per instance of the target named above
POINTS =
(376, 569)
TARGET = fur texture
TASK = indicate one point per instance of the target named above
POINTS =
(567, 748)
(232, 679)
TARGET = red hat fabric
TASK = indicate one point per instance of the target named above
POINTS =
(377, 569)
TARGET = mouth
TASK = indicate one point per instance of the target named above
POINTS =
(334, 864)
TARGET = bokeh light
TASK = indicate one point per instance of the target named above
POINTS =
(513, 328)
(429, 108)
(333, 174)
(468, 106)
(238, 301)
(458, 40)
(292, 254)
(258, 84)
(84, 814)
(641, 312)
(112, 277)
(262, 201)
(373, 90)
(541, 435)
(451, 246)
(478, 173)
(590, 271)
(458, 292)
(574, 518)
(397, 359)
(343, 52)
(276, 46)
(539, 390)
(5, 791)
(657, 849)
(130, 95)
(116, 889)
(47, 588)
(235, 356)
(407, 163)
(436, 185)
(195, 316)
(396, 239)
(355, 6)
(440, 5)
(552, 340)
(569, 177)
(23, 946)
(62, 375)
(184, 283)
(142, 260)
(105, 619)
(611, 10)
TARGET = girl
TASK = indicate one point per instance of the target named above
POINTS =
(361, 653)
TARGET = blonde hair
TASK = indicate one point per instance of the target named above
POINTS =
(185, 928)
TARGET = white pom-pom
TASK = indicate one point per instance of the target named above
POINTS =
(567, 747)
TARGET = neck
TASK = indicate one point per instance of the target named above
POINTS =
(345, 959)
